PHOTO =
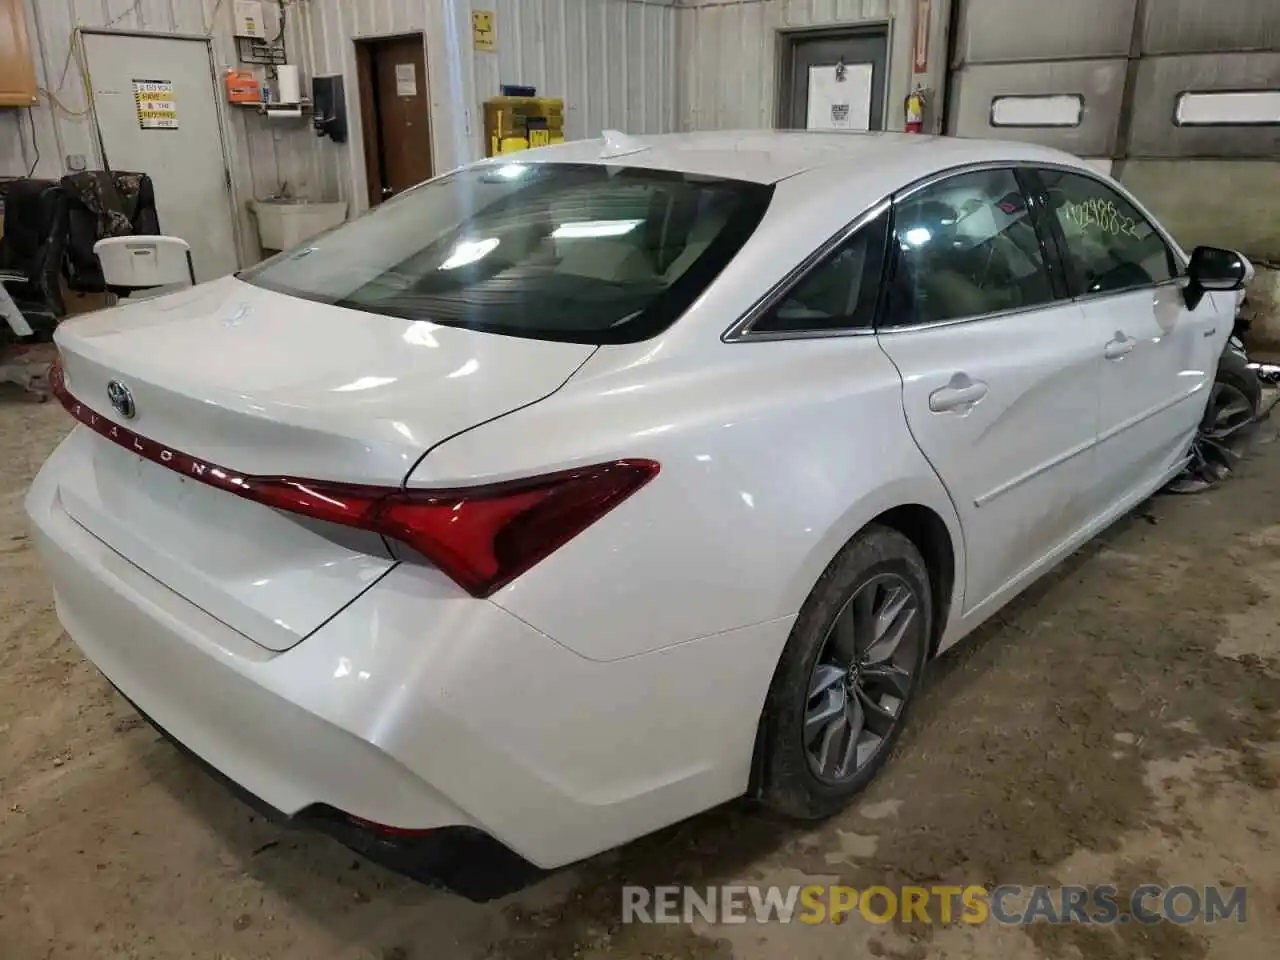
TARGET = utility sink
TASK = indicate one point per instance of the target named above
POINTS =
(283, 224)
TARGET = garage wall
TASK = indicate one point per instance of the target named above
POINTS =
(1129, 61)
(1211, 184)
(613, 61)
(729, 53)
(59, 125)
(57, 131)
(1032, 48)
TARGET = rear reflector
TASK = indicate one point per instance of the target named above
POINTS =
(482, 537)
(387, 831)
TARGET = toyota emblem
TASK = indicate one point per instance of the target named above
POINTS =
(121, 398)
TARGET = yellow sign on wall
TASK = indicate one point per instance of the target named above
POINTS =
(157, 106)
(482, 30)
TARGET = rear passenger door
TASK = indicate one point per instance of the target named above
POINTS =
(1000, 371)
(1159, 357)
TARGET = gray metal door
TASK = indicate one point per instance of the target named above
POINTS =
(836, 82)
(156, 106)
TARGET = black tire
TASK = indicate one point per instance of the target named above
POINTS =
(1234, 369)
(787, 782)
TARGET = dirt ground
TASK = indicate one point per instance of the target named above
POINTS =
(1119, 724)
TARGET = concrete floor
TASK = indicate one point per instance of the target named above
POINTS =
(1121, 723)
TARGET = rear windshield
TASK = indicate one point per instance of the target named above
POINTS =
(581, 252)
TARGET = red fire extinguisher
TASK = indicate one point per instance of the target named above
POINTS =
(915, 111)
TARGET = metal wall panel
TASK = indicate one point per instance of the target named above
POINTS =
(61, 124)
(50, 25)
(817, 13)
(1161, 79)
(728, 68)
(728, 57)
(614, 63)
(1099, 82)
(1208, 26)
(1001, 31)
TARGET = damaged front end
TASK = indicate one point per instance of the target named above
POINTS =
(1231, 419)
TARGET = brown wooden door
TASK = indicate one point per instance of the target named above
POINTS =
(396, 117)
(17, 59)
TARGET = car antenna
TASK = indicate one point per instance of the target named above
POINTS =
(618, 144)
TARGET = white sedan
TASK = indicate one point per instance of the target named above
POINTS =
(565, 496)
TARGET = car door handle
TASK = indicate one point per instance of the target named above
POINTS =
(1120, 347)
(960, 392)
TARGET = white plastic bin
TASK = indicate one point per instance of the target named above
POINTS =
(283, 224)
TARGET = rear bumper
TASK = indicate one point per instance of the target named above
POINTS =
(418, 708)
(463, 859)
(215, 691)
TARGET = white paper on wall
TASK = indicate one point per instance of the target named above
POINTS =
(840, 104)
(406, 79)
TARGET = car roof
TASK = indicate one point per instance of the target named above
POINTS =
(768, 156)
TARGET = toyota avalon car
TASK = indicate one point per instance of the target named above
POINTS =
(569, 494)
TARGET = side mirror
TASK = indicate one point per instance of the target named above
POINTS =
(1212, 268)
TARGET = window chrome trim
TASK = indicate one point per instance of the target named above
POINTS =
(741, 331)
(1032, 165)
(888, 331)
(1084, 298)
(938, 176)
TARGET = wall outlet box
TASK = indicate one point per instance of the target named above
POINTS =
(248, 19)
(76, 162)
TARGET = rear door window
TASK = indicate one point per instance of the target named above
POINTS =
(965, 247)
(582, 252)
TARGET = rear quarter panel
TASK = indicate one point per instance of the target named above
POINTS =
(773, 455)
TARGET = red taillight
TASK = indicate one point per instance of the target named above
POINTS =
(483, 537)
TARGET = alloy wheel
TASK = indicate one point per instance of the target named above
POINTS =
(1228, 410)
(862, 678)
(1220, 440)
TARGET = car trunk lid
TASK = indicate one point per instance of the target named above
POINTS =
(257, 383)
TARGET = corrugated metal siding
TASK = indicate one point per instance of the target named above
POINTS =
(1210, 26)
(613, 61)
(1100, 83)
(1034, 47)
(1047, 38)
(999, 31)
(50, 25)
(729, 53)
(286, 154)
(1161, 79)
(263, 154)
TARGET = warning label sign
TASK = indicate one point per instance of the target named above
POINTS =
(157, 105)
